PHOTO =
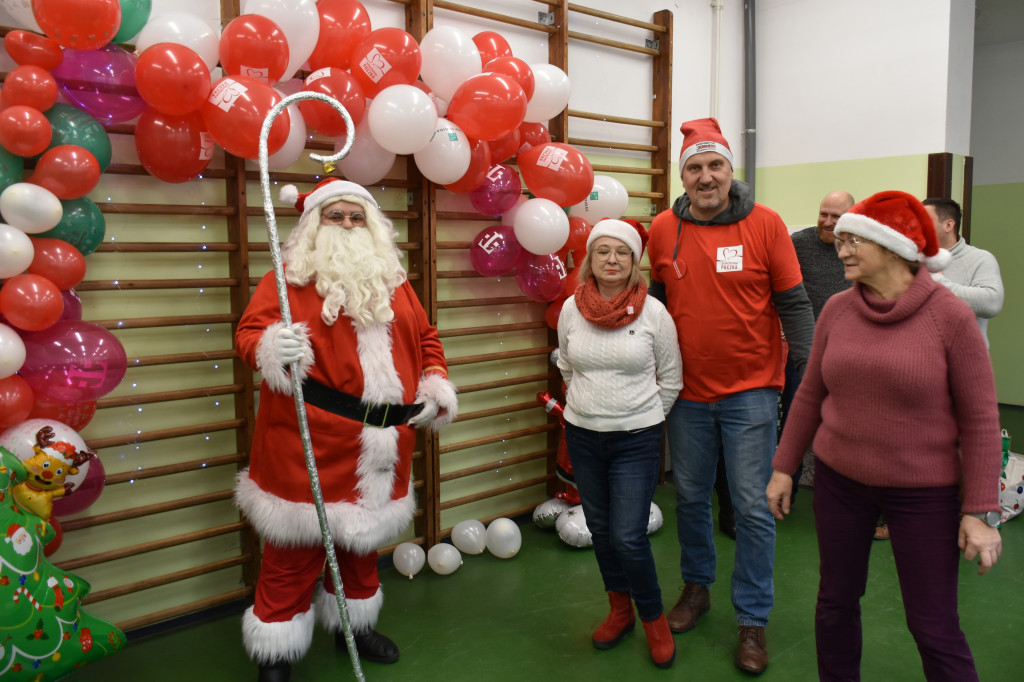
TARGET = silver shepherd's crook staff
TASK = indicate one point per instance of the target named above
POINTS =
(286, 318)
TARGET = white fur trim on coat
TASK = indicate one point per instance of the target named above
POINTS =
(271, 642)
(442, 391)
(275, 374)
(355, 527)
(362, 613)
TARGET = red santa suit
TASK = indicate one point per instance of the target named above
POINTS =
(364, 470)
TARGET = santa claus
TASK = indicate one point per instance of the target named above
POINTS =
(372, 370)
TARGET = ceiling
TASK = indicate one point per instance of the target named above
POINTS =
(998, 21)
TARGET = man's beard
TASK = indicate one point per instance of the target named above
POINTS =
(353, 275)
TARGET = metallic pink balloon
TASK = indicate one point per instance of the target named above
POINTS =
(541, 277)
(495, 251)
(73, 362)
(498, 192)
(83, 494)
(101, 82)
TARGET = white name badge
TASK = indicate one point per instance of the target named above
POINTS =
(730, 259)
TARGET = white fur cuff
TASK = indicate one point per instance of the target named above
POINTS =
(274, 373)
(442, 392)
(283, 641)
(362, 613)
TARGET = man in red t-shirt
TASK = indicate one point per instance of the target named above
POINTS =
(726, 269)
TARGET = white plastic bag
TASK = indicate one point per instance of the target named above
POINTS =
(1011, 482)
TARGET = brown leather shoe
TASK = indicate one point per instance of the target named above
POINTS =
(752, 650)
(693, 603)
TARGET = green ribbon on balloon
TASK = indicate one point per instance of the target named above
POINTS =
(82, 225)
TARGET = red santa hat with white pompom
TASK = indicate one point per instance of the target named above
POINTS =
(898, 222)
(326, 190)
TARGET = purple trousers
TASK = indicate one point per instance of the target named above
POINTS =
(923, 527)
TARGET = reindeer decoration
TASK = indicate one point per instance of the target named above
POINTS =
(47, 471)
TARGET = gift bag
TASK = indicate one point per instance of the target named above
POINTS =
(1011, 482)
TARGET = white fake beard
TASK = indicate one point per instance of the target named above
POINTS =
(353, 275)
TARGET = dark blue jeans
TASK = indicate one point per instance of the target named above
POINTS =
(616, 472)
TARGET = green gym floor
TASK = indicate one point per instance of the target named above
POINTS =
(530, 618)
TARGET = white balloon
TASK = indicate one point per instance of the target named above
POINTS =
(656, 519)
(449, 58)
(445, 159)
(541, 226)
(504, 538)
(12, 351)
(30, 208)
(608, 199)
(551, 90)
(298, 20)
(546, 513)
(16, 251)
(294, 144)
(409, 559)
(402, 119)
(21, 12)
(367, 162)
(572, 527)
(444, 559)
(21, 438)
(469, 536)
(182, 28)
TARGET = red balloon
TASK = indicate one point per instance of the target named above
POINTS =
(388, 56)
(340, 85)
(504, 148)
(479, 164)
(67, 170)
(31, 86)
(516, 69)
(172, 78)
(491, 46)
(16, 400)
(253, 45)
(572, 282)
(579, 232)
(79, 24)
(488, 106)
(31, 302)
(59, 262)
(344, 24)
(553, 311)
(558, 172)
(25, 47)
(24, 131)
(75, 415)
(234, 114)
(532, 135)
(173, 148)
(54, 544)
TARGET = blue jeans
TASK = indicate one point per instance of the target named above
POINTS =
(744, 425)
(616, 473)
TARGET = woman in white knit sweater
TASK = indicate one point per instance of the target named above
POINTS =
(619, 357)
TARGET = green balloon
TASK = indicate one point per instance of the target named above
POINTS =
(82, 225)
(134, 15)
(73, 126)
(11, 167)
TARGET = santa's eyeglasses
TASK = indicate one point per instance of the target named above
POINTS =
(358, 218)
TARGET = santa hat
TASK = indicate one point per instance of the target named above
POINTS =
(628, 231)
(703, 135)
(898, 222)
(326, 190)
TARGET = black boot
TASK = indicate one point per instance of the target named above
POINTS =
(372, 646)
(278, 671)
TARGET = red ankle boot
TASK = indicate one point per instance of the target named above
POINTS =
(619, 623)
(659, 638)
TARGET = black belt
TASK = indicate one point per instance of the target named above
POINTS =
(379, 415)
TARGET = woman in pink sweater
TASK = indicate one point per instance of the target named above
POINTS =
(898, 402)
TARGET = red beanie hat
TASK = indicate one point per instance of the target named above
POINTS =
(898, 222)
(703, 135)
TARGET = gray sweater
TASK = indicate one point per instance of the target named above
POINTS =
(820, 265)
(974, 277)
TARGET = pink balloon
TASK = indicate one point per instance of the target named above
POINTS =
(102, 82)
(73, 362)
(499, 191)
(83, 494)
(541, 278)
(72, 305)
(495, 251)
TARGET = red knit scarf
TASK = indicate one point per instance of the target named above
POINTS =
(610, 314)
